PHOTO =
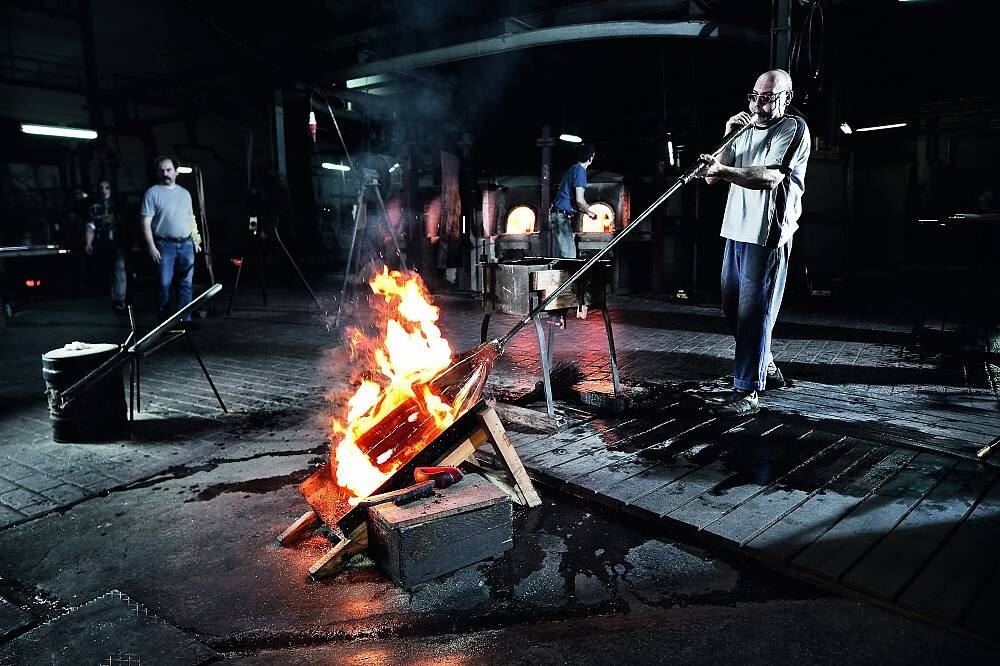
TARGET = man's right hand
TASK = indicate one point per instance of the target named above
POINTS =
(737, 121)
(154, 254)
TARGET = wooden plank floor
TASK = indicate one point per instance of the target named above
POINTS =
(855, 511)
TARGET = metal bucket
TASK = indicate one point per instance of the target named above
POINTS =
(97, 414)
(510, 287)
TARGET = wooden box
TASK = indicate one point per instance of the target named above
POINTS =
(466, 523)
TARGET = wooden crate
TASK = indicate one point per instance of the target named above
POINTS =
(461, 525)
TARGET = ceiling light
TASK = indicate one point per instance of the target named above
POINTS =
(368, 81)
(880, 127)
(570, 138)
(185, 170)
(65, 132)
(335, 167)
(845, 128)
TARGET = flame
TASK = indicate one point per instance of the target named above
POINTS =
(520, 220)
(605, 222)
(407, 354)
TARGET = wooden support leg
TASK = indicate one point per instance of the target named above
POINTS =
(306, 522)
(524, 488)
(337, 557)
(466, 451)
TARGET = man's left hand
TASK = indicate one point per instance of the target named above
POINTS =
(711, 166)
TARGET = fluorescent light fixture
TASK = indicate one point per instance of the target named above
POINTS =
(185, 170)
(368, 81)
(335, 167)
(670, 152)
(65, 132)
(845, 128)
(570, 138)
(394, 167)
(880, 127)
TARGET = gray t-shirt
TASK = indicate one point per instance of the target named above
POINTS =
(171, 210)
(768, 217)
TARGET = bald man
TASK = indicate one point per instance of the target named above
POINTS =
(766, 169)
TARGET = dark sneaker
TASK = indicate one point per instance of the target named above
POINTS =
(119, 308)
(739, 403)
(774, 378)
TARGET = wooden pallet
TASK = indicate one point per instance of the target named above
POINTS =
(915, 531)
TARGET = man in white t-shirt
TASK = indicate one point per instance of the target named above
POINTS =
(765, 168)
(171, 235)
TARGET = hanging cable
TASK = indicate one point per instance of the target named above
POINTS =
(806, 52)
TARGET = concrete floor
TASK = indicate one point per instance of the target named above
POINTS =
(181, 520)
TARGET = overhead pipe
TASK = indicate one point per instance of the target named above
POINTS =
(551, 36)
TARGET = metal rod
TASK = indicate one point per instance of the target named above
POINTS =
(392, 232)
(543, 354)
(305, 283)
(194, 349)
(615, 379)
(484, 329)
(683, 180)
(131, 394)
(350, 258)
(206, 237)
(236, 285)
(138, 384)
(114, 362)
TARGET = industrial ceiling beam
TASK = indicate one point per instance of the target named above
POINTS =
(552, 36)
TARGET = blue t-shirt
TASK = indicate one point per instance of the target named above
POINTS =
(575, 176)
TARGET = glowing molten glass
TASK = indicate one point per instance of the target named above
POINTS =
(395, 412)
(605, 222)
(520, 220)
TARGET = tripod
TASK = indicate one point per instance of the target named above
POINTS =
(253, 230)
(368, 187)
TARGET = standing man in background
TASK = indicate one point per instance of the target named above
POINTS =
(171, 235)
(570, 200)
(104, 240)
(766, 170)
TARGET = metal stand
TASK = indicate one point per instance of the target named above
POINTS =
(132, 351)
(135, 393)
(370, 184)
(260, 261)
(546, 344)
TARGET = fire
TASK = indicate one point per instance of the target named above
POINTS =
(605, 222)
(407, 354)
(520, 220)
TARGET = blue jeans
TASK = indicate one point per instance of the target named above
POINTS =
(563, 242)
(753, 282)
(109, 255)
(119, 281)
(176, 261)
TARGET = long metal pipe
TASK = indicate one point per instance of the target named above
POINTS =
(683, 180)
(550, 36)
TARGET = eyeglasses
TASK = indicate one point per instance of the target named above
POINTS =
(765, 98)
